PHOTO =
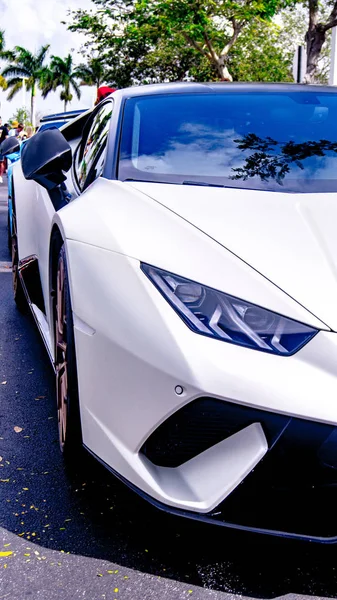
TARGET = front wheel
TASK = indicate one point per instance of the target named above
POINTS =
(68, 414)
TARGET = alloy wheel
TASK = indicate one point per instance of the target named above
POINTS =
(61, 363)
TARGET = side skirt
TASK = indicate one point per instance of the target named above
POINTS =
(30, 279)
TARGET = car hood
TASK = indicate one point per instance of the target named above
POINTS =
(291, 239)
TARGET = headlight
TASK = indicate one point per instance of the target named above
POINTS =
(215, 314)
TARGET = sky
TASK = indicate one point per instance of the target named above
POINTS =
(33, 23)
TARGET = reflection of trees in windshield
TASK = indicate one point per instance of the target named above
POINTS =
(95, 145)
(100, 126)
(273, 160)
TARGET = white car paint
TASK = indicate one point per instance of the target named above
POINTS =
(289, 238)
(130, 343)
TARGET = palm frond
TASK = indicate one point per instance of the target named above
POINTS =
(15, 89)
(13, 81)
(8, 55)
(76, 88)
(2, 40)
(15, 70)
(41, 55)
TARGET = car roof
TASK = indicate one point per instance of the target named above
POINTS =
(219, 87)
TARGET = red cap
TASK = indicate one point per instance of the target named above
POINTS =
(103, 91)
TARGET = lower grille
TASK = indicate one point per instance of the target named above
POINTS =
(202, 424)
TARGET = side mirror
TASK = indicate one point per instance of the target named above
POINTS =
(45, 158)
(9, 146)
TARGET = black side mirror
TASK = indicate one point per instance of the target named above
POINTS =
(9, 145)
(45, 158)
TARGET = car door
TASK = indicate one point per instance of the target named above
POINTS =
(88, 164)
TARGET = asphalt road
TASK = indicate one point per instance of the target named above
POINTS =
(78, 533)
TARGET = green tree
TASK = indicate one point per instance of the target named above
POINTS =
(61, 73)
(211, 28)
(21, 115)
(322, 18)
(4, 54)
(92, 73)
(294, 25)
(261, 54)
(121, 54)
(145, 41)
(28, 66)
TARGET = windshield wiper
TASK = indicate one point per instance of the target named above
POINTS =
(204, 183)
(143, 180)
(186, 182)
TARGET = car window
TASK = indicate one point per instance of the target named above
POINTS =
(91, 153)
(277, 141)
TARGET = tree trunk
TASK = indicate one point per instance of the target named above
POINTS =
(222, 70)
(32, 106)
(315, 39)
(65, 105)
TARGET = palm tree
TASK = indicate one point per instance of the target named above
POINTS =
(28, 66)
(61, 73)
(5, 55)
(91, 74)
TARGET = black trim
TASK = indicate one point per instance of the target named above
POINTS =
(207, 518)
(23, 264)
(31, 280)
(203, 423)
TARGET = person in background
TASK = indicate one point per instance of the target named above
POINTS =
(4, 131)
(20, 131)
(103, 92)
(12, 132)
(28, 133)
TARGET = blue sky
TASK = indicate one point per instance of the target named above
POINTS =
(33, 23)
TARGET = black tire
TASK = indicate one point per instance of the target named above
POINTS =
(68, 412)
(18, 292)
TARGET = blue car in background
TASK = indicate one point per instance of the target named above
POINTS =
(47, 122)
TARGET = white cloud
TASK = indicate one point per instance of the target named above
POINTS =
(33, 23)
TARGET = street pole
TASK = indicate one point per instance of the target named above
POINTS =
(299, 64)
(333, 58)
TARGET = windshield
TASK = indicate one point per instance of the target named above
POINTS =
(278, 141)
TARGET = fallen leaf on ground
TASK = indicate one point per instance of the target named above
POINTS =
(17, 429)
(6, 553)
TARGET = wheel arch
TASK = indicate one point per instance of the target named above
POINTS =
(55, 245)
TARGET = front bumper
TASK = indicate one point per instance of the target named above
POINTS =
(291, 492)
(273, 456)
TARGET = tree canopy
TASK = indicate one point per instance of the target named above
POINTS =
(145, 41)
(60, 73)
(28, 66)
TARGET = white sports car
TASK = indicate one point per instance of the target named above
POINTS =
(177, 246)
